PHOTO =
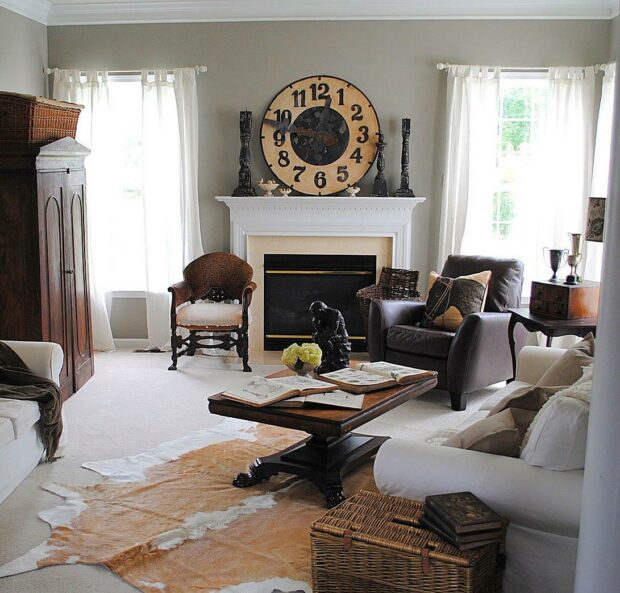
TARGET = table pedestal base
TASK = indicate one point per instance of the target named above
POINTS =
(322, 460)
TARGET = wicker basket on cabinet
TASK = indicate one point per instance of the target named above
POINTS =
(394, 284)
(28, 122)
(373, 543)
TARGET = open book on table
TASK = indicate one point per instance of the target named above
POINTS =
(372, 376)
(260, 392)
(334, 399)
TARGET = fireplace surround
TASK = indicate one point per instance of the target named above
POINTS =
(330, 225)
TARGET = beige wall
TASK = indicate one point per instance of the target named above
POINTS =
(614, 39)
(23, 54)
(393, 62)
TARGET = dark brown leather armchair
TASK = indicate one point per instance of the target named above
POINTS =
(474, 356)
(215, 277)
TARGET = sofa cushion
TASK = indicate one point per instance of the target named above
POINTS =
(500, 434)
(22, 414)
(6, 431)
(422, 341)
(557, 438)
(530, 398)
(568, 368)
(450, 300)
(209, 314)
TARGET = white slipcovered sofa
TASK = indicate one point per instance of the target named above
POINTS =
(20, 447)
(543, 505)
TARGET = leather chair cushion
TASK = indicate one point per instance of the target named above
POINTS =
(430, 342)
(209, 315)
(506, 278)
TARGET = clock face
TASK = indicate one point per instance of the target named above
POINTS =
(319, 135)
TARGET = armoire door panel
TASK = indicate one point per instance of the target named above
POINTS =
(75, 225)
(54, 295)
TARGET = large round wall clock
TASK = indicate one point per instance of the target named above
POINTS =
(319, 135)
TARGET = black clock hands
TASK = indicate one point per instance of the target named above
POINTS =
(283, 126)
(324, 112)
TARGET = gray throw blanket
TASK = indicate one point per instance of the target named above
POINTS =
(18, 382)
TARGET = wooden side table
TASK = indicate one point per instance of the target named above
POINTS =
(552, 328)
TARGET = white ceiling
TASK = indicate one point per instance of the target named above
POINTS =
(90, 12)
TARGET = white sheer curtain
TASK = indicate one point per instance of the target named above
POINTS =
(169, 171)
(96, 132)
(473, 95)
(593, 263)
(170, 186)
(556, 189)
(551, 193)
(186, 95)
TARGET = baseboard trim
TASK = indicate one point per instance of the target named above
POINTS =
(130, 343)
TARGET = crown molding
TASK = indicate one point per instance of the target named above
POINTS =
(37, 10)
(57, 12)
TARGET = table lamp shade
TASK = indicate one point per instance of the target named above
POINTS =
(596, 219)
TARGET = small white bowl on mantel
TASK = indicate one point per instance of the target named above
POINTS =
(352, 191)
(285, 191)
(268, 187)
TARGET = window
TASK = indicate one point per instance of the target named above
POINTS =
(127, 259)
(522, 114)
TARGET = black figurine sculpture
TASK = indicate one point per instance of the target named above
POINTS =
(331, 336)
(404, 191)
(245, 175)
(379, 187)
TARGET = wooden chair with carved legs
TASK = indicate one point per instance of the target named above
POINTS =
(198, 306)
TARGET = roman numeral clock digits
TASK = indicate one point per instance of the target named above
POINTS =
(319, 135)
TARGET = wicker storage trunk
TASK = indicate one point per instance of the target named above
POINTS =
(28, 122)
(372, 544)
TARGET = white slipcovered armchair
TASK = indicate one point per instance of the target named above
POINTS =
(543, 505)
(20, 447)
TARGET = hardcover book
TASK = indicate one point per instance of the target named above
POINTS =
(373, 376)
(463, 538)
(428, 524)
(463, 512)
(334, 399)
(259, 392)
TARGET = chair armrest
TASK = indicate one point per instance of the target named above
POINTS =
(42, 358)
(385, 314)
(480, 352)
(534, 361)
(529, 496)
(247, 293)
(181, 292)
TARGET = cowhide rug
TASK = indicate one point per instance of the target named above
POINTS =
(169, 519)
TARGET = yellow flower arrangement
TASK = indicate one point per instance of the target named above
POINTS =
(296, 355)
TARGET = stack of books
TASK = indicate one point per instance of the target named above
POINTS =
(462, 520)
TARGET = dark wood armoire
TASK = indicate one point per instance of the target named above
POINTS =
(43, 254)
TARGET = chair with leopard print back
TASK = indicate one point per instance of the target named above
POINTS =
(212, 303)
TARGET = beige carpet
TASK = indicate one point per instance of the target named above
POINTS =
(131, 405)
(179, 526)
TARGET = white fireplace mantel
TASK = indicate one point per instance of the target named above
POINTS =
(305, 216)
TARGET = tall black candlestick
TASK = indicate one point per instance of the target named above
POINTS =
(404, 190)
(245, 175)
(379, 188)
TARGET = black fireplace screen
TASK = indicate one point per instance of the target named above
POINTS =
(293, 282)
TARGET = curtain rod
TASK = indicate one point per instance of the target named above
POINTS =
(445, 65)
(198, 69)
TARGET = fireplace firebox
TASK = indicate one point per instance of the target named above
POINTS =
(293, 282)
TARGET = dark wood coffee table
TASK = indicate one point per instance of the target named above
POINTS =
(332, 450)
